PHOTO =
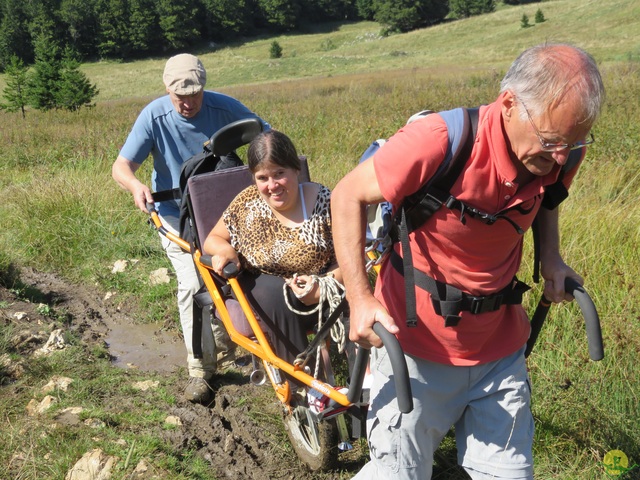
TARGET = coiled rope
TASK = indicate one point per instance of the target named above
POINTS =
(331, 292)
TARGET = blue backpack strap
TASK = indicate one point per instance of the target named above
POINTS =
(461, 127)
(378, 215)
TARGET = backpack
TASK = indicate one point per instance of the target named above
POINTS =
(418, 207)
(218, 153)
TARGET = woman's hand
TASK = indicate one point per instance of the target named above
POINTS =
(305, 288)
(223, 256)
(217, 245)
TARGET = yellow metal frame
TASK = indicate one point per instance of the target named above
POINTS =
(258, 346)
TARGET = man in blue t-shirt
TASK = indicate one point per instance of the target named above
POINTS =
(172, 129)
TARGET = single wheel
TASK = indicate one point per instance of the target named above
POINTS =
(314, 442)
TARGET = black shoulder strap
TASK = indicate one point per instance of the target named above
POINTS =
(554, 195)
(557, 193)
(417, 208)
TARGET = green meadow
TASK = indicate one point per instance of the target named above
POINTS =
(337, 88)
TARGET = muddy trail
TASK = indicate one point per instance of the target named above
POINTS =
(239, 439)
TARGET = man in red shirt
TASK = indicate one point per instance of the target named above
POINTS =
(472, 374)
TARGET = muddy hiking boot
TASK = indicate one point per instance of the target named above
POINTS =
(227, 359)
(198, 390)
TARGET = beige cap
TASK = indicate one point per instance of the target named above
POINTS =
(184, 74)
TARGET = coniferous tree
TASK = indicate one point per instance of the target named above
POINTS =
(42, 83)
(73, 90)
(44, 21)
(80, 23)
(178, 23)
(15, 91)
(366, 9)
(469, 8)
(226, 19)
(113, 28)
(397, 16)
(279, 15)
(15, 38)
(407, 15)
(144, 35)
(275, 51)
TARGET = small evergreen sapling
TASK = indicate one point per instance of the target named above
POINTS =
(15, 91)
(276, 50)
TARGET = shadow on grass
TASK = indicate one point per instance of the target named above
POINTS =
(10, 279)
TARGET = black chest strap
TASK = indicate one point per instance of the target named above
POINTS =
(449, 301)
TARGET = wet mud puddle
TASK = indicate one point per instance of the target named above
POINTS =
(145, 347)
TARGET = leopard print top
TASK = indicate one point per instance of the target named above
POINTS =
(265, 245)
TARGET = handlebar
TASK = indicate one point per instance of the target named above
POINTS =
(589, 312)
(398, 364)
(156, 222)
(230, 270)
(591, 318)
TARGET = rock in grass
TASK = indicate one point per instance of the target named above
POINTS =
(94, 465)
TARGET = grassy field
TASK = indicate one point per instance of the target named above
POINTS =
(334, 91)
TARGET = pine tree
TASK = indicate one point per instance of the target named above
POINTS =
(73, 89)
(275, 51)
(406, 15)
(15, 90)
(469, 8)
(279, 15)
(113, 28)
(42, 83)
(178, 23)
(15, 38)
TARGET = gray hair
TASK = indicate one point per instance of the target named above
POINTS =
(542, 76)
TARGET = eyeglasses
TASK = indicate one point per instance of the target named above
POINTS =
(556, 147)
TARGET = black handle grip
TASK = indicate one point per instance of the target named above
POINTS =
(230, 270)
(398, 364)
(358, 374)
(591, 318)
(589, 312)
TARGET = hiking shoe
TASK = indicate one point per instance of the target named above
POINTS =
(198, 390)
(226, 359)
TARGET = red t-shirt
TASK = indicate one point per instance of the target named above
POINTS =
(477, 258)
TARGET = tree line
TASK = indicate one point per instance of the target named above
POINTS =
(42, 42)
(129, 29)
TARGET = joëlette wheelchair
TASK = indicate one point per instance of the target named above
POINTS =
(317, 435)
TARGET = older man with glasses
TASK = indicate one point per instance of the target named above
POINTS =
(470, 374)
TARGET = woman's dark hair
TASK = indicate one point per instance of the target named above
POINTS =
(275, 147)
